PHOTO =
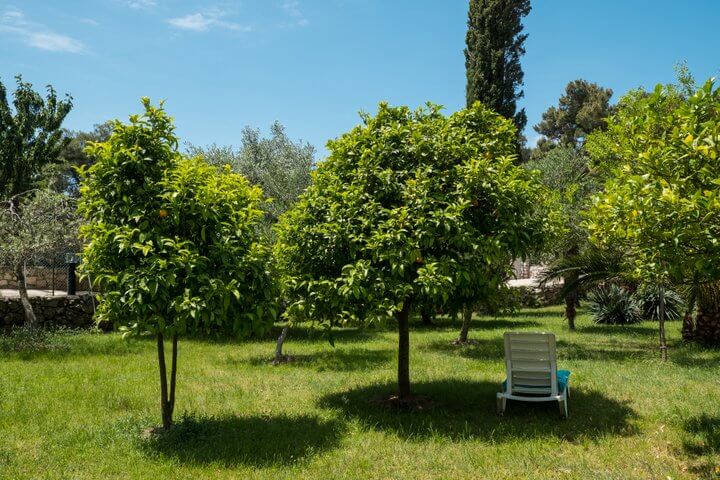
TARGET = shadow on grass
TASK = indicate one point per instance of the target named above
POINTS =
(702, 439)
(480, 349)
(703, 435)
(538, 313)
(606, 351)
(494, 349)
(64, 344)
(694, 355)
(478, 324)
(345, 360)
(465, 410)
(645, 329)
(256, 440)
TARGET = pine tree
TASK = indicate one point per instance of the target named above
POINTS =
(495, 43)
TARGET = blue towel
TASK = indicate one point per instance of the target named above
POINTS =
(563, 378)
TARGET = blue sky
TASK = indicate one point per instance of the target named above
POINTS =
(313, 64)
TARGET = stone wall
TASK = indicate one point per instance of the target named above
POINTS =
(534, 296)
(72, 311)
(41, 278)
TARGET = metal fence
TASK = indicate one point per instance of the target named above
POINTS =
(51, 274)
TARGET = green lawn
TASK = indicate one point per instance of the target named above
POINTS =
(79, 412)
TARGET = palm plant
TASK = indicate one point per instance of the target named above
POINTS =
(585, 270)
(705, 298)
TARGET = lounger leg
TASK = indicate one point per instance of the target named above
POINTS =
(501, 404)
(563, 403)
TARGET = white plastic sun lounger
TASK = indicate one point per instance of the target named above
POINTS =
(532, 374)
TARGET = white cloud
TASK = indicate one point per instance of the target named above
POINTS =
(14, 23)
(203, 21)
(292, 9)
(141, 4)
(89, 21)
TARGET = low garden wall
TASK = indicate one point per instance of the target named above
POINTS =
(72, 311)
(41, 278)
(534, 296)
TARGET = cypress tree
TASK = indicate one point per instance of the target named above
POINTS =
(494, 44)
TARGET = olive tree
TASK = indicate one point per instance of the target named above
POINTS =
(277, 164)
(172, 242)
(565, 172)
(411, 209)
(662, 200)
(35, 225)
(280, 166)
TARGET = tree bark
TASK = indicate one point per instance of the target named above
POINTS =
(465, 328)
(164, 400)
(30, 318)
(279, 357)
(707, 325)
(426, 317)
(173, 375)
(661, 315)
(403, 319)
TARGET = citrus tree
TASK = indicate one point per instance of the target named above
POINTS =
(411, 209)
(172, 242)
(662, 198)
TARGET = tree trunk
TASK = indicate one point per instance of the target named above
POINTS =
(571, 301)
(279, 357)
(173, 374)
(426, 317)
(465, 328)
(688, 326)
(30, 318)
(661, 315)
(167, 401)
(403, 319)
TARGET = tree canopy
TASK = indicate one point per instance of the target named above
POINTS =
(277, 164)
(74, 155)
(494, 45)
(565, 171)
(411, 209)
(31, 135)
(582, 109)
(661, 200)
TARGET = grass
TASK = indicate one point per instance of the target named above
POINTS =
(78, 412)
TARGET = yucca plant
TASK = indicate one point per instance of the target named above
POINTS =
(648, 297)
(614, 305)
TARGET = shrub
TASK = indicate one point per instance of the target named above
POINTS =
(614, 305)
(648, 298)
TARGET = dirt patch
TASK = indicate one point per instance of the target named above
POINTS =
(411, 402)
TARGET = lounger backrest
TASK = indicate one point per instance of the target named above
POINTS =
(531, 363)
